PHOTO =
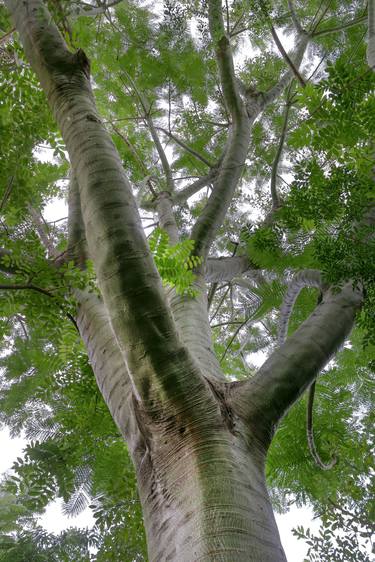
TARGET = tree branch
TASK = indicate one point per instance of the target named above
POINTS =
(296, 22)
(233, 162)
(222, 270)
(42, 230)
(310, 433)
(166, 216)
(5, 38)
(77, 243)
(124, 265)
(186, 147)
(90, 11)
(276, 162)
(193, 188)
(291, 369)
(286, 57)
(138, 159)
(338, 28)
(155, 137)
(370, 55)
(25, 286)
(305, 278)
(273, 93)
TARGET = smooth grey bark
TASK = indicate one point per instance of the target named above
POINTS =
(166, 216)
(220, 270)
(191, 318)
(190, 190)
(81, 9)
(273, 93)
(304, 278)
(293, 13)
(244, 105)
(77, 243)
(233, 162)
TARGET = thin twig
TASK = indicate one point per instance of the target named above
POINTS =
(338, 28)
(286, 57)
(220, 303)
(310, 433)
(276, 162)
(155, 137)
(186, 147)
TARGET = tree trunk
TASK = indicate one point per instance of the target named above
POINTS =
(204, 496)
(201, 482)
(198, 443)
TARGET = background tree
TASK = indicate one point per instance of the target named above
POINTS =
(247, 165)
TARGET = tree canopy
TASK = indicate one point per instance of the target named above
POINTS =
(301, 201)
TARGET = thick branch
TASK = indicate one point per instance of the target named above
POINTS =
(77, 243)
(221, 270)
(166, 216)
(304, 278)
(190, 190)
(180, 197)
(84, 9)
(127, 276)
(370, 55)
(42, 230)
(110, 369)
(292, 368)
(234, 159)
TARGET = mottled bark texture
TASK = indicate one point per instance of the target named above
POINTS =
(198, 442)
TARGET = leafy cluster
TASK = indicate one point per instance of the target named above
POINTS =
(345, 536)
(175, 263)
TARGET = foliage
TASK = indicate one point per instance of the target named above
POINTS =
(175, 263)
(343, 537)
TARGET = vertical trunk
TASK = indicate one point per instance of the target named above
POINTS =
(204, 497)
(201, 482)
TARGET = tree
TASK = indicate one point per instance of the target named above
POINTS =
(197, 419)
